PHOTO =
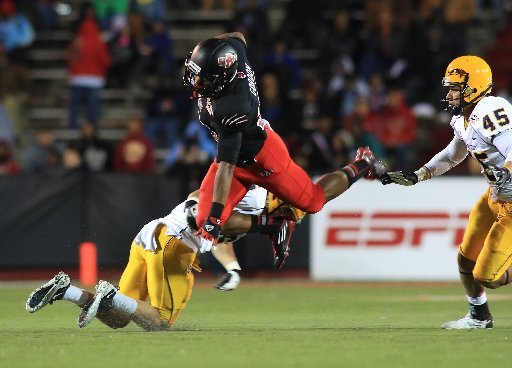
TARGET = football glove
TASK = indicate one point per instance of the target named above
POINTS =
(399, 177)
(501, 174)
(210, 229)
(377, 167)
(229, 281)
(206, 245)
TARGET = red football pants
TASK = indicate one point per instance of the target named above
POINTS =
(275, 171)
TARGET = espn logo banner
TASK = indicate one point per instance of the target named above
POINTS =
(376, 232)
(392, 228)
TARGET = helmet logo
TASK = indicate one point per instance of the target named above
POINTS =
(227, 60)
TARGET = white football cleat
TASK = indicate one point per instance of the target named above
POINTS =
(48, 293)
(467, 323)
(105, 292)
(229, 281)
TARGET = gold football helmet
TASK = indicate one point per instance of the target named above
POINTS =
(472, 75)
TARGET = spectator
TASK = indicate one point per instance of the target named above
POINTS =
(123, 50)
(152, 11)
(44, 156)
(284, 65)
(71, 159)
(311, 104)
(385, 41)
(96, 153)
(15, 80)
(303, 22)
(156, 55)
(274, 104)
(7, 164)
(165, 112)
(377, 92)
(111, 13)
(361, 127)
(195, 133)
(338, 47)
(353, 89)
(46, 14)
(16, 33)
(317, 146)
(88, 61)
(189, 159)
(135, 153)
(6, 127)
(396, 130)
(251, 19)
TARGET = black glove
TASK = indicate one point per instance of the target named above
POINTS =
(191, 211)
(399, 177)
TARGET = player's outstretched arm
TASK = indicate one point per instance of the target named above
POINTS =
(453, 154)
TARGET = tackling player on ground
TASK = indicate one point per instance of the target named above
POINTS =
(162, 257)
(218, 74)
(482, 126)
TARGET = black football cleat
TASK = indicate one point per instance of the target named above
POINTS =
(281, 243)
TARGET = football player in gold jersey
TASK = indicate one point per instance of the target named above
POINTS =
(482, 127)
(162, 257)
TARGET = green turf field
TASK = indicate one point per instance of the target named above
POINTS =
(269, 324)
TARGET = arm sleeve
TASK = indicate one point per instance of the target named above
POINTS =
(503, 142)
(449, 157)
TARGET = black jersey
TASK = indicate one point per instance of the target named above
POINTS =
(234, 117)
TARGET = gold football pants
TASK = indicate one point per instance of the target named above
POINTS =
(165, 275)
(488, 238)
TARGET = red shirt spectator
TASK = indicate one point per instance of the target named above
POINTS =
(88, 54)
(135, 153)
(7, 164)
(397, 124)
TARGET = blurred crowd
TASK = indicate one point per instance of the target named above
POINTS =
(333, 75)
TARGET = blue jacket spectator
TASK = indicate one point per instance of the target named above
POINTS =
(16, 31)
(196, 132)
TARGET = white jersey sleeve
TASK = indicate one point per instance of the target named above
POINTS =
(454, 153)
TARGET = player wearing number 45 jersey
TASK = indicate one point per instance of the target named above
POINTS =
(219, 76)
(482, 126)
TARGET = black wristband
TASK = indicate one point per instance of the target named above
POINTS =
(216, 210)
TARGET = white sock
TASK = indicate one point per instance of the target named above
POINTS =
(124, 303)
(75, 295)
(233, 266)
(479, 300)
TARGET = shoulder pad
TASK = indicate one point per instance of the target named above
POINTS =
(491, 116)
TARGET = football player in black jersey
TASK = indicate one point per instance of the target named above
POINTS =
(218, 74)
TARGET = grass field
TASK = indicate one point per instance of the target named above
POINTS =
(269, 324)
